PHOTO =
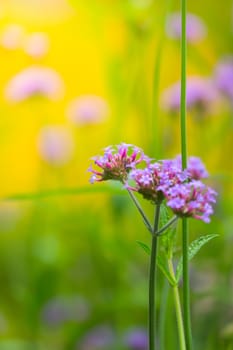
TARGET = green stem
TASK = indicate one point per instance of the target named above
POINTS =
(143, 215)
(163, 314)
(152, 278)
(183, 88)
(186, 289)
(165, 227)
(178, 309)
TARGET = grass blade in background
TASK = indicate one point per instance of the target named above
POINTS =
(64, 192)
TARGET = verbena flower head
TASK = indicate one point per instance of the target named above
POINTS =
(117, 162)
(192, 199)
(195, 27)
(201, 95)
(153, 181)
(196, 170)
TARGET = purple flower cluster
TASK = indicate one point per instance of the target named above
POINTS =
(195, 168)
(182, 190)
(154, 181)
(159, 181)
(117, 162)
(191, 199)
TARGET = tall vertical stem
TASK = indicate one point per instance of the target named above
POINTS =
(178, 309)
(152, 277)
(183, 87)
(186, 288)
(162, 314)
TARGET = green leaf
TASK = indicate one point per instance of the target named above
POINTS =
(167, 237)
(144, 247)
(193, 249)
(65, 192)
(164, 215)
(161, 263)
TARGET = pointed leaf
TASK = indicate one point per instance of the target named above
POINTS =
(162, 265)
(144, 247)
(194, 248)
(164, 216)
(167, 236)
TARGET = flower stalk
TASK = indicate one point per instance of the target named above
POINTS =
(166, 226)
(177, 184)
(143, 215)
(185, 239)
(179, 317)
(152, 279)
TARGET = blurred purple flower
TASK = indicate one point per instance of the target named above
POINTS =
(98, 338)
(195, 27)
(65, 309)
(87, 109)
(55, 145)
(36, 44)
(136, 339)
(35, 80)
(223, 77)
(116, 162)
(201, 94)
(12, 36)
(191, 199)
